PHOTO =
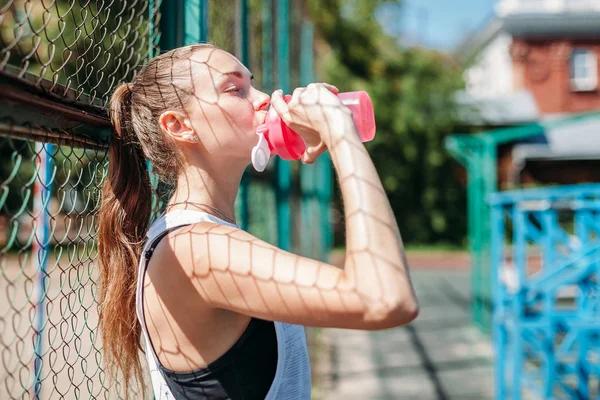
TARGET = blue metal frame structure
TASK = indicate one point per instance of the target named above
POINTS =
(546, 322)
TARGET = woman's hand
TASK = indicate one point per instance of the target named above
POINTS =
(316, 114)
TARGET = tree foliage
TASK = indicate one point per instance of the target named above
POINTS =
(412, 91)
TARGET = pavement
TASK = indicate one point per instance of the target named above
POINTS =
(440, 356)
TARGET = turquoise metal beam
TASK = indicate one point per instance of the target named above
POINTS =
(204, 21)
(191, 25)
(196, 21)
(306, 53)
(244, 50)
(309, 202)
(516, 133)
(244, 39)
(477, 153)
(283, 168)
(283, 44)
(267, 45)
(324, 193)
(316, 179)
(171, 24)
(153, 33)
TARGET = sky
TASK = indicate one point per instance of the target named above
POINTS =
(439, 24)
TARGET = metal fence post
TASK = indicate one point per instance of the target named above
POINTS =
(171, 24)
(153, 35)
(519, 258)
(244, 53)
(40, 250)
(196, 21)
(307, 172)
(478, 155)
(283, 168)
(488, 186)
(324, 185)
(316, 178)
(498, 329)
(243, 32)
(204, 21)
(267, 44)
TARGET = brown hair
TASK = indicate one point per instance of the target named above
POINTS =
(126, 205)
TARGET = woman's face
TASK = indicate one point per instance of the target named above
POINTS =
(226, 109)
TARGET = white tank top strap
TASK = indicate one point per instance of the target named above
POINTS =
(292, 377)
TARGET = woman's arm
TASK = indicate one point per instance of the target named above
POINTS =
(234, 270)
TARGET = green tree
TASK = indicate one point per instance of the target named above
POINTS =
(412, 90)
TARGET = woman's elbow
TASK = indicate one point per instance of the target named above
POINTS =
(406, 312)
(392, 314)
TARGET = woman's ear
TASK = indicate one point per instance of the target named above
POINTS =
(177, 126)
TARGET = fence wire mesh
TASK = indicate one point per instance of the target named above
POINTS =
(49, 341)
(77, 49)
(71, 53)
(50, 345)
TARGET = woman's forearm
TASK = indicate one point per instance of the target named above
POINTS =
(375, 261)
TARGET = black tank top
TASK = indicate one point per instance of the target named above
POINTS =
(245, 372)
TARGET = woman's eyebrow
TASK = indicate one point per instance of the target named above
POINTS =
(236, 74)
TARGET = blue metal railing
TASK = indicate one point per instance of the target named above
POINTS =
(545, 250)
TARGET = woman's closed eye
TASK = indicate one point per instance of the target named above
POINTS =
(241, 90)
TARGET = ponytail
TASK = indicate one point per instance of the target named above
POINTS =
(123, 221)
(126, 205)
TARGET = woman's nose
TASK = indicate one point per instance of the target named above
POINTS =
(262, 102)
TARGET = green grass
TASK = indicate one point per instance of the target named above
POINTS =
(435, 248)
(430, 248)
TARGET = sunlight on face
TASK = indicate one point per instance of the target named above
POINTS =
(226, 108)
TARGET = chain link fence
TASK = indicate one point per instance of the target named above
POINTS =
(78, 50)
(48, 271)
(60, 60)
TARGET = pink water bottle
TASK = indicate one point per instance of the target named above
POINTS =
(276, 138)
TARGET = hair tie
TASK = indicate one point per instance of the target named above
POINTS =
(120, 109)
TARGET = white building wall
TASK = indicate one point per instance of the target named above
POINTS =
(505, 8)
(490, 75)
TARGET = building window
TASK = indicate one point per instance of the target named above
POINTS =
(584, 70)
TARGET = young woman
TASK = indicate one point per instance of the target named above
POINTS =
(221, 311)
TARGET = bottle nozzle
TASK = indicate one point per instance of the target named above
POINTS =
(261, 153)
(262, 130)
